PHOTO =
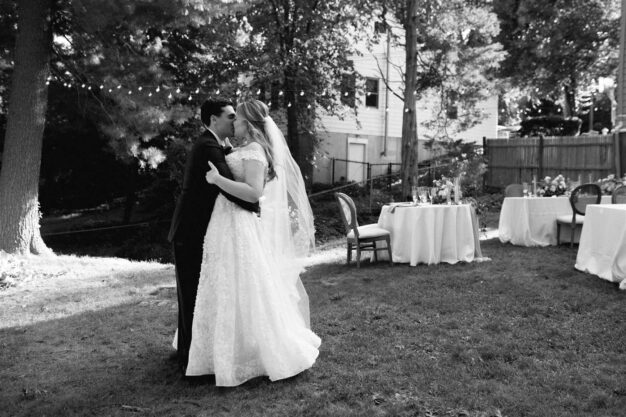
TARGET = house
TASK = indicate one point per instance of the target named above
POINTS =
(372, 138)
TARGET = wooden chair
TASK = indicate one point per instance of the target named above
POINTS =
(361, 238)
(619, 195)
(582, 196)
(514, 190)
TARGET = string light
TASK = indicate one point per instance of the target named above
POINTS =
(181, 94)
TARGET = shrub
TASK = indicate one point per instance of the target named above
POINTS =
(550, 126)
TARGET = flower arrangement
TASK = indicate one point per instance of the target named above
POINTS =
(610, 183)
(552, 186)
(443, 188)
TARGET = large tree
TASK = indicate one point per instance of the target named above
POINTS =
(106, 52)
(558, 47)
(451, 58)
(21, 156)
(298, 56)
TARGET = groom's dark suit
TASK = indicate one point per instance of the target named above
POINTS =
(189, 225)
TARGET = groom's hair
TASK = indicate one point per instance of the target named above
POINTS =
(212, 108)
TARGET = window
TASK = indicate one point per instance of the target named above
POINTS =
(371, 92)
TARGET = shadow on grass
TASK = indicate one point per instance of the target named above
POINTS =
(525, 335)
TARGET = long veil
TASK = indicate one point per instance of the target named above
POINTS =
(286, 215)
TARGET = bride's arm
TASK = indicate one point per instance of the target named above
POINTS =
(250, 190)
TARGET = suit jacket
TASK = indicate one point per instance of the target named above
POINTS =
(197, 199)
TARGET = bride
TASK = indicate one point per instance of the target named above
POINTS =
(252, 314)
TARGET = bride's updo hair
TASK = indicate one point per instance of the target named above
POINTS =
(254, 113)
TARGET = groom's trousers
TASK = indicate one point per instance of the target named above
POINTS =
(188, 259)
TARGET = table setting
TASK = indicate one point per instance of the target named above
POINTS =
(435, 227)
(531, 220)
(602, 248)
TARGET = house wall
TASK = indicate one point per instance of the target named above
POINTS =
(334, 145)
(370, 123)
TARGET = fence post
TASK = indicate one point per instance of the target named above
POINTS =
(371, 180)
(389, 168)
(540, 157)
(485, 153)
(617, 150)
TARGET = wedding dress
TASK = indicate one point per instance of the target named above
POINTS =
(248, 319)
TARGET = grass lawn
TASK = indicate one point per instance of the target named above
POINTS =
(523, 335)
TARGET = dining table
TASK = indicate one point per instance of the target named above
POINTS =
(431, 233)
(531, 221)
(602, 247)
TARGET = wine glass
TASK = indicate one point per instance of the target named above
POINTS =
(422, 192)
(414, 194)
(433, 194)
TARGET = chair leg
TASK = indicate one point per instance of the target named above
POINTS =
(349, 252)
(571, 237)
(358, 255)
(558, 234)
(375, 252)
(389, 250)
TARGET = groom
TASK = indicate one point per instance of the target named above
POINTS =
(193, 211)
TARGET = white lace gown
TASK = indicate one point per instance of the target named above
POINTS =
(247, 322)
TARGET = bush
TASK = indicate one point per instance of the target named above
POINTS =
(550, 126)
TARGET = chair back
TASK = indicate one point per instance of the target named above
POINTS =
(514, 190)
(584, 195)
(619, 195)
(348, 213)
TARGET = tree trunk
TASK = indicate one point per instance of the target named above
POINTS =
(21, 159)
(569, 100)
(293, 137)
(409, 118)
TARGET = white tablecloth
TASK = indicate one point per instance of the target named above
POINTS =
(531, 221)
(430, 233)
(602, 248)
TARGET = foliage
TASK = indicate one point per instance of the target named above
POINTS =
(458, 55)
(298, 57)
(461, 159)
(557, 47)
(550, 126)
(610, 183)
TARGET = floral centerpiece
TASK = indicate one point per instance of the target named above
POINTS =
(442, 187)
(610, 183)
(552, 186)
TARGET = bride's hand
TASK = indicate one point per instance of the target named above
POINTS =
(213, 174)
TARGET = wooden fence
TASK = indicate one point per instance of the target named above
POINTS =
(518, 160)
